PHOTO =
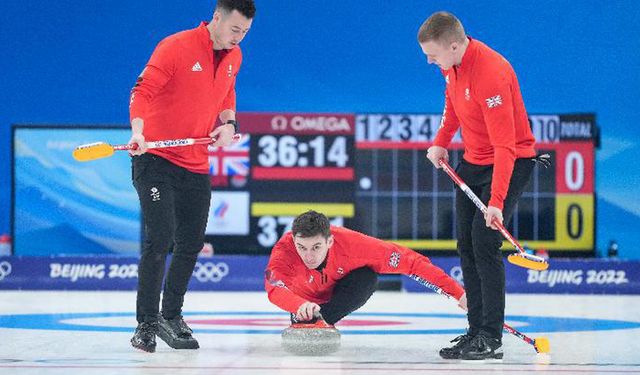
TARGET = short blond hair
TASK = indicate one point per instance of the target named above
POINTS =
(441, 27)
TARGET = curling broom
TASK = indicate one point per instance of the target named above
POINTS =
(521, 258)
(99, 150)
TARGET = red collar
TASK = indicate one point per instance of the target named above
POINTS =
(204, 35)
(469, 55)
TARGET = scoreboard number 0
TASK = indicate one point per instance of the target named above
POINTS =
(575, 221)
(574, 217)
(574, 170)
(574, 195)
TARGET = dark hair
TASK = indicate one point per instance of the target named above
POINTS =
(246, 7)
(441, 27)
(311, 224)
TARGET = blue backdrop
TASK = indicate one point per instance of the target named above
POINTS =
(74, 62)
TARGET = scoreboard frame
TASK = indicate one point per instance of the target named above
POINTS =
(301, 161)
(367, 172)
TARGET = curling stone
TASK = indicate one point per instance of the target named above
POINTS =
(311, 341)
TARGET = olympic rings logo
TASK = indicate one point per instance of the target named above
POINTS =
(210, 271)
(5, 269)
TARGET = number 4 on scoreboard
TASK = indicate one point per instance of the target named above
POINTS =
(338, 152)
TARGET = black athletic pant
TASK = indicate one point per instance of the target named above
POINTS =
(479, 245)
(175, 206)
(350, 293)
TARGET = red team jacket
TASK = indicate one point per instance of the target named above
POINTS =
(483, 97)
(181, 92)
(289, 283)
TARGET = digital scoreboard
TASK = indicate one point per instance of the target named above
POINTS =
(365, 171)
(369, 172)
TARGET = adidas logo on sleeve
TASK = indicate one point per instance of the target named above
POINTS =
(196, 67)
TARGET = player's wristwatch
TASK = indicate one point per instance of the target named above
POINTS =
(236, 128)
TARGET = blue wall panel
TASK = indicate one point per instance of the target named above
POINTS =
(68, 62)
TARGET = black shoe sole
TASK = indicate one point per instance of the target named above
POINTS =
(470, 357)
(450, 355)
(147, 349)
(177, 343)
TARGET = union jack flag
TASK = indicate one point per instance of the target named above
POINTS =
(394, 260)
(494, 101)
(231, 160)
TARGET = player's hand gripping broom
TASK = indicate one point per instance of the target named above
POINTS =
(99, 150)
(521, 258)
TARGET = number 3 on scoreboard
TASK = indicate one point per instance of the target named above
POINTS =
(272, 228)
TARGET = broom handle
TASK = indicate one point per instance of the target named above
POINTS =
(172, 143)
(467, 190)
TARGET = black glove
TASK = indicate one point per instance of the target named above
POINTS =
(543, 160)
